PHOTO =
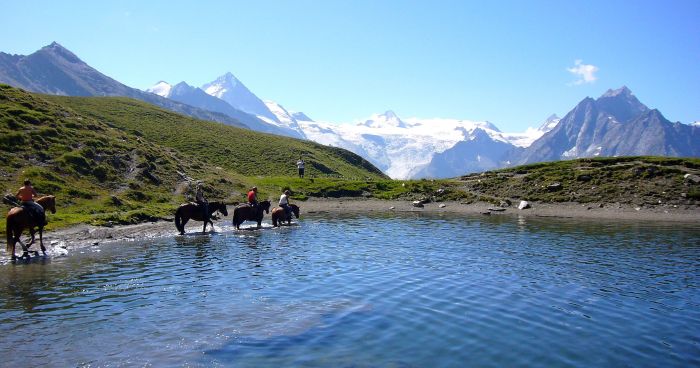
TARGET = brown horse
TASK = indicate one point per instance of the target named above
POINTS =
(193, 211)
(19, 218)
(278, 215)
(245, 212)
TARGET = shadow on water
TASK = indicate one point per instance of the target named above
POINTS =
(320, 328)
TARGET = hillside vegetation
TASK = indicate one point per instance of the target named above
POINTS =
(638, 181)
(117, 160)
(243, 151)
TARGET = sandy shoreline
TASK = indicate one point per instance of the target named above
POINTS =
(87, 235)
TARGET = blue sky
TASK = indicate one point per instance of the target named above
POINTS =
(510, 62)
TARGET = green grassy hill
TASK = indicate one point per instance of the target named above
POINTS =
(242, 151)
(122, 161)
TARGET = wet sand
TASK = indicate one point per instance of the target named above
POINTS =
(86, 235)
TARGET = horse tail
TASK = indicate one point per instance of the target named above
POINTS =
(274, 218)
(10, 235)
(236, 214)
(178, 220)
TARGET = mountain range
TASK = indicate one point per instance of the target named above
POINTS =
(55, 70)
(615, 124)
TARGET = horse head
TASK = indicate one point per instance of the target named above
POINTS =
(295, 210)
(48, 203)
(221, 207)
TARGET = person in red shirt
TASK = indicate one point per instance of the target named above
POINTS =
(26, 194)
(253, 197)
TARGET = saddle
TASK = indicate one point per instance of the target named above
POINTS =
(36, 212)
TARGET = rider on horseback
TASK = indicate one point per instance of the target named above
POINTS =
(26, 194)
(202, 202)
(253, 197)
(284, 203)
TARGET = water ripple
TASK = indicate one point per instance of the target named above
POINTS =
(407, 291)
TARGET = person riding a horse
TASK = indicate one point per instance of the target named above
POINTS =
(284, 203)
(26, 194)
(202, 202)
(253, 197)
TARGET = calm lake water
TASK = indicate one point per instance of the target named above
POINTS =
(358, 291)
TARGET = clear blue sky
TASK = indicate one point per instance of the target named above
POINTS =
(510, 62)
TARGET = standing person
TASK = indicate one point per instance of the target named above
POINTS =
(300, 166)
(26, 194)
(284, 203)
(253, 197)
(202, 202)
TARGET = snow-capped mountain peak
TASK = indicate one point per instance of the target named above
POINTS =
(161, 88)
(695, 123)
(221, 85)
(550, 123)
(228, 88)
(386, 120)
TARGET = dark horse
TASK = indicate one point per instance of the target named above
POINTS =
(244, 212)
(193, 211)
(279, 216)
(19, 218)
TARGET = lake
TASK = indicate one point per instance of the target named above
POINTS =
(409, 290)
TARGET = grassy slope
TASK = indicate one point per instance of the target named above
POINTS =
(240, 150)
(123, 161)
(627, 180)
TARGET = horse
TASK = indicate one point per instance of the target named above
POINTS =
(246, 212)
(18, 219)
(193, 211)
(279, 215)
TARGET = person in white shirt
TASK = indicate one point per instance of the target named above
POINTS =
(300, 166)
(284, 203)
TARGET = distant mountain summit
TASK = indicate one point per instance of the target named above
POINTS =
(186, 94)
(228, 88)
(549, 123)
(615, 124)
(385, 120)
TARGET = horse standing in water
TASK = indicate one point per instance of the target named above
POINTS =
(279, 215)
(246, 212)
(193, 211)
(19, 218)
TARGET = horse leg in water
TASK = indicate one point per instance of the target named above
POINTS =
(25, 250)
(41, 241)
(184, 222)
(205, 224)
(32, 232)
(11, 243)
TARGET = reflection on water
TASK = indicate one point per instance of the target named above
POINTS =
(415, 290)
